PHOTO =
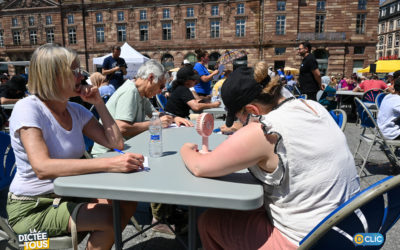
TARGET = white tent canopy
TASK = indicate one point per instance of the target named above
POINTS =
(132, 58)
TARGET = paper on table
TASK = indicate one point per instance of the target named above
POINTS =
(220, 70)
(173, 125)
(145, 165)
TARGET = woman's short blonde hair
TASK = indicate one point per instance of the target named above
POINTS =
(97, 79)
(272, 90)
(50, 67)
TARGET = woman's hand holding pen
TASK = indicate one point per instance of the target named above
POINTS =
(126, 162)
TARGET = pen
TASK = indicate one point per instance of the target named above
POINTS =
(119, 151)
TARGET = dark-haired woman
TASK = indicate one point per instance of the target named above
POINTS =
(293, 147)
(182, 100)
(203, 88)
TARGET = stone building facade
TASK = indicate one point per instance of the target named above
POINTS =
(343, 33)
(388, 30)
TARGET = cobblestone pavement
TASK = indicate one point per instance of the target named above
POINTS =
(376, 169)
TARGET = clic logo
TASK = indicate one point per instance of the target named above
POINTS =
(368, 239)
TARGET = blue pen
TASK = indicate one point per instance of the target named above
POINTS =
(119, 151)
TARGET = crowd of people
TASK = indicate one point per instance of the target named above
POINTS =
(298, 192)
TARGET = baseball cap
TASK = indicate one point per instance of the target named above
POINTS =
(239, 89)
(391, 74)
(186, 61)
(187, 73)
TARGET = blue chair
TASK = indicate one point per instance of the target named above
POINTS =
(161, 101)
(379, 99)
(369, 98)
(7, 160)
(373, 210)
(302, 96)
(372, 135)
(340, 117)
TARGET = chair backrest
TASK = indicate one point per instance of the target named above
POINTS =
(296, 90)
(364, 114)
(7, 160)
(340, 117)
(374, 210)
(302, 96)
(161, 101)
(379, 98)
(319, 94)
(370, 95)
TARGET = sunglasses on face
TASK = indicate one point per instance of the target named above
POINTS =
(77, 72)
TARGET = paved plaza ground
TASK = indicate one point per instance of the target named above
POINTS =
(377, 169)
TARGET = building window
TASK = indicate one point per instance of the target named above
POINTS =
(121, 33)
(14, 22)
(144, 32)
(70, 19)
(214, 29)
(398, 24)
(389, 53)
(16, 37)
(240, 9)
(392, 9)
(357, 65)
(321, 5)
(396, 40)
(359, 50)
(72, 35)
(319, 23)
(99, 17)
(381, 41)
(100, 34)
(165, 13)
(281, 5)
(50, 36)
(214, 10)
(49, 20)
(120, 16)
(167, 31)
(390, 41)
(280, 25)
(383, 27)
(189, 12)
(143, 15)
(280, 51)
(240, 27)
(383, 12)
(360, 24)
(31, 21)
(190, 30)
(33, 37)
(362, 4)
(391, 25)
(1, 39)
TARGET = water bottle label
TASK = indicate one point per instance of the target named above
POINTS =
(155, 137)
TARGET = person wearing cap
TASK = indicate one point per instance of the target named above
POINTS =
(181, 99)
(389, 113)
(293, 147)
(13, 90)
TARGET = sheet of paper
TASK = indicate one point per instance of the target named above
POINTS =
(220, 71)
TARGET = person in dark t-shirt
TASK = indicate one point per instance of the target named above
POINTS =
(310, 77)
(114, 68)
(182, 100)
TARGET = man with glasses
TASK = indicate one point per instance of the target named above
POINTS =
(310, 77)
(114, 68)
(129, 105)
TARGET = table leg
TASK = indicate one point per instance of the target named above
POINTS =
(117, 225)
(192, 228)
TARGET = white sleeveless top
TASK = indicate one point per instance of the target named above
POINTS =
(316, 171)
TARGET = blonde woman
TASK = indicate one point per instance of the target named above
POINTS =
(291, 146)
(46, 135)
(100, 81)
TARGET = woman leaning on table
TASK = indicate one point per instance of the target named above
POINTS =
(47, 137)
(293, 147)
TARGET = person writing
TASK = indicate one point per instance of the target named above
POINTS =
(182, 100)
(203, 88)
(47, 137)
(287, 159)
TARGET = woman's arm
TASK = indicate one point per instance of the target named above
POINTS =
(197, 106)
(206, 78)
(247, 147)
(48, 168)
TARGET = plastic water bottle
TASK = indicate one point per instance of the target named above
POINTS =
(155, 129)
(339, 85)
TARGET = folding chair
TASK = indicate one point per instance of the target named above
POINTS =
(375, 136)
(374, 210)
(161, 101)
(379, 99)
(369, 98)
(7, 164)
(340, 117)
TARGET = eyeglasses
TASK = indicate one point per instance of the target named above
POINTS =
(77, 72)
